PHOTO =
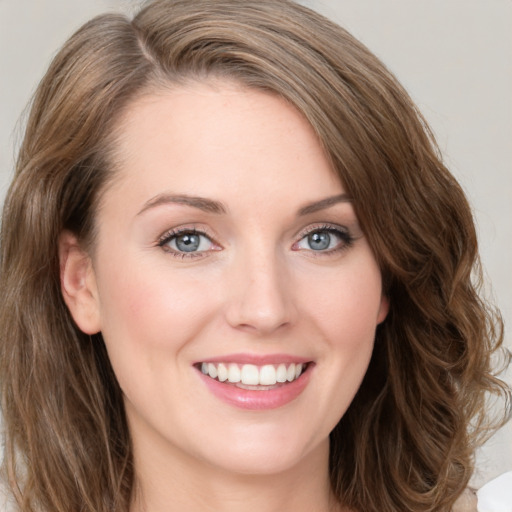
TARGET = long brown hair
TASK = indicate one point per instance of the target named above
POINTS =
(407, 440)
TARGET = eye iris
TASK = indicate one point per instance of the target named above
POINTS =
(188, 242)
(319, 241)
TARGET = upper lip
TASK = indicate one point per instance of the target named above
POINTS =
(256, 359)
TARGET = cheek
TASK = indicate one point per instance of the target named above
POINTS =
(148, 321)
(346, 305)
(145, 310)
(343, 308)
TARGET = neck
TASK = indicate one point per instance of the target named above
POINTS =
(167, 484)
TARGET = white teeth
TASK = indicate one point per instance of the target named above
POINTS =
(250, 375)
(281, 373)
(290, 373)
(212, 370)
(233, 373)
(268, 375)
(222, 372)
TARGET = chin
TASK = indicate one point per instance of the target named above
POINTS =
(266, 453)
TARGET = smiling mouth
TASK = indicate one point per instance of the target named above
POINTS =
(253, 377)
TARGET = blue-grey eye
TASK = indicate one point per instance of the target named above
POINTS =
(189, 242)
(319, 241)
(324, 240)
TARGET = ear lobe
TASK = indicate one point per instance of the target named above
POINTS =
(383, 309)
(78, 284)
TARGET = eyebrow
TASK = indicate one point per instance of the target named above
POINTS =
(323, 204)
(207, 205)
(212, 206)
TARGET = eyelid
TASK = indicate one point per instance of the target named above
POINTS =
(172, 233)
(323, 226)
(347, 239)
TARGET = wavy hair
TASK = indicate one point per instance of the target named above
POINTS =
(407, 440)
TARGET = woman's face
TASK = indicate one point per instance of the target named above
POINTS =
(235, 291)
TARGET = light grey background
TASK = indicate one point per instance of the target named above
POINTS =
(454, 57)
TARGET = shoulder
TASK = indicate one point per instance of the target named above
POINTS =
(467, 502)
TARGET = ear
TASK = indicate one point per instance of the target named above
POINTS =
(78, 284)
(383, 309)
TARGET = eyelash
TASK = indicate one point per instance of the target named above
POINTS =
(347, 240)
(169, 236)
(341, 232)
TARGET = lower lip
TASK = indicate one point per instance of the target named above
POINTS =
(258, 399)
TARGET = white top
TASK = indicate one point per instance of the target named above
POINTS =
(496, 495)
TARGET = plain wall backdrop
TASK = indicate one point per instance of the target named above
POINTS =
(453, 56)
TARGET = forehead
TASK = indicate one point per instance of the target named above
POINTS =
(208, 139)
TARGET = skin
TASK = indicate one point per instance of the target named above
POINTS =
(255, 286)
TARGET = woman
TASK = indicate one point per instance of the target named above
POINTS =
(236, 275)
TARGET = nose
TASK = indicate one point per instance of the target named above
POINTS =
(260, 295)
